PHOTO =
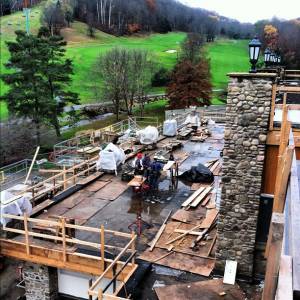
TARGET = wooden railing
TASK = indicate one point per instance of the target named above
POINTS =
(282, 278)
(63, 180)
(66, 257)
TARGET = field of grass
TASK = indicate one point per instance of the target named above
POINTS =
(225, 55)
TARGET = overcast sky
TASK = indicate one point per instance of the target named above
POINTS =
(250, 10)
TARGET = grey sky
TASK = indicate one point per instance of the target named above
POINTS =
(250, 10)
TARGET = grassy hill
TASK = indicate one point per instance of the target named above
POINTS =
(225, 55)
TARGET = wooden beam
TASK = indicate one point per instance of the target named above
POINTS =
(288, 89)
(273, 138)
(160, 231)
(102, 241)
(285, 279)
(32, 163)
(283, 172)
(273, 261)
(272, 113)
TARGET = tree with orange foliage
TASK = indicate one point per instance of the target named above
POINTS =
(271, 36)
(190, 85)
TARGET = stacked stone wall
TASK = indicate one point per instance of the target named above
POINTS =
(41, 282)
(247, 119)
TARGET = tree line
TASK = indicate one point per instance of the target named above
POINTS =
(121, 17)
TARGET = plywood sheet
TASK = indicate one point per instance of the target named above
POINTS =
(180, 261)
(191, 216)
(112, 190)
(203, 290)
(86, 209)
(96, 186)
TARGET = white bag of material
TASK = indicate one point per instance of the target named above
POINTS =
(192, 120)
(170, 128)
(17, 207)
(148, 136)
(110, 158)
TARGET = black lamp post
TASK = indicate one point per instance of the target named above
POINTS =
(267, 54)
(272, 58)
(254, 50)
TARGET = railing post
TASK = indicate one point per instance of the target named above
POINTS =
(65, 178)
(102, 243)
(26, 234)
(63, 232)
(100, 295)
(133, 246)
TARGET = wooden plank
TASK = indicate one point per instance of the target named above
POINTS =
(136, 181)
(189, 200)
(112, 190)
(96, 186)
(40, 207)
(285, 279)
(212, 245)
(159, 233)
(202, 290)
(180, 261)
(189, 232)
(272, 113)
(273, 261)
(283, 176)
(198, 200)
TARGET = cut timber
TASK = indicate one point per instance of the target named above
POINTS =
(40, 207)
(90, 178)
(136, 181)
(159, 233)
(180, 261)
(202, 290)
(163, 256)
(189, 200)
(212, 245)
(285, 279)
(273, 261)
(185, 231)
(96, 186)
(201, 196)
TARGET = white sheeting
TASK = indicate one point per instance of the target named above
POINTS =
(293, 116)
(193, 120)
(110, 158)
(170, 128)
(148, 135)
(16, 207)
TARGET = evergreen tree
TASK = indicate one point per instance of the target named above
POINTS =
(38, 79)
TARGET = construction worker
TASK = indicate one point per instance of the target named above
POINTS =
(156, 167)
(193, 119)
(138, 164)
(146, 165)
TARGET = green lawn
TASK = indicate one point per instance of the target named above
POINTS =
(226, 55)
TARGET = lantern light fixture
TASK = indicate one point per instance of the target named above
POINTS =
(254, 50)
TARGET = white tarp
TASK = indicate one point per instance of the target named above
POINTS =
(148, 136)
(14, 207)
(170, 128)
(110, 158)
(193, 120)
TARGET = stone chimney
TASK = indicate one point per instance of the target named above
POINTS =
(247, 120)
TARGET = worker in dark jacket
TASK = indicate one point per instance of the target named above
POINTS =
(138, 165)
(147, 166)
(155, 173)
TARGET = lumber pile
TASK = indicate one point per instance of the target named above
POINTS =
(215, 166)
(201, 135)
(184, 133)
(187, 241)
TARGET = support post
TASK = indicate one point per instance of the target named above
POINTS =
(100, 295)
(133, 247)
(102, 242)
(65, 178)
(273, 261)
(63, 232)
(26, 234)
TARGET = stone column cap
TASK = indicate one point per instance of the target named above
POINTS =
(253, 75)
